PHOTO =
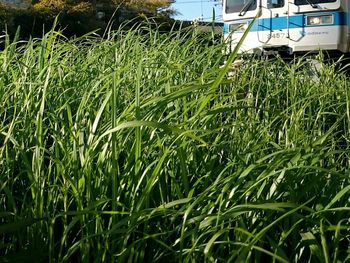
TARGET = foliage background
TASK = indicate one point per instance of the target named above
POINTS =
(77, 17)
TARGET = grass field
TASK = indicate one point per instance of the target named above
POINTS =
(138, 148)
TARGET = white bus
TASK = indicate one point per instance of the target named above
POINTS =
(289, 26)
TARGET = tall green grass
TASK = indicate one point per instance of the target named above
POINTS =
(135, 148)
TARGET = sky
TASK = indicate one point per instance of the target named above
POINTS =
(192, 9)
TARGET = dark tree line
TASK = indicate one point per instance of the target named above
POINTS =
(77, 17)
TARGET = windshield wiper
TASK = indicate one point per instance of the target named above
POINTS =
(246, 6)
(313, 5)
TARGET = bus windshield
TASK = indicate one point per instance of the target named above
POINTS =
(234, 6)
(306, 2)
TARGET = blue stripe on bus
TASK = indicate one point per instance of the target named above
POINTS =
(298, 21)
(226, 28)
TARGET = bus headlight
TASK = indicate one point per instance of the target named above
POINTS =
(319, 20)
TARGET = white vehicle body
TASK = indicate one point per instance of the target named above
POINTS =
(288, 25)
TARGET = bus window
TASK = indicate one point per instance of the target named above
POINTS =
(275, 3)
(233, 6)
(307, 2)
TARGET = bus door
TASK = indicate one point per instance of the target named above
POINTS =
(272, 26)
